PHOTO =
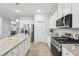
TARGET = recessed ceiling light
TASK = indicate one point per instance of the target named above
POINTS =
(17, 20)
(13, 22)
(38, 11)
(16, 10)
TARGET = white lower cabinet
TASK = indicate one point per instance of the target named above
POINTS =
(27, 45)
(21, 49)
(65, 52)
(49, 41)
(13, 52)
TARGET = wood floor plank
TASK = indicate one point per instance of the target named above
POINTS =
(39, 49)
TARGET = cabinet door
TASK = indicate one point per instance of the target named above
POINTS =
(51, 21)
(49, 41)
(75, 15)
(11, 53)
(39, 35)
(21, 49)
(27, 45)
(59, 10)
(67, 8)
(54, 19)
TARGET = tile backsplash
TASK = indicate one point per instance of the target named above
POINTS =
(62, 31)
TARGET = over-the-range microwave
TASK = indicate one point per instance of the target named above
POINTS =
(65, 21)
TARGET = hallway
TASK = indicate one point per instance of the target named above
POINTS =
(39, 49)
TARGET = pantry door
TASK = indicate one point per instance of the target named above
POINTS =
(40, 32)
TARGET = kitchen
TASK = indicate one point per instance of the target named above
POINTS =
(39, 29)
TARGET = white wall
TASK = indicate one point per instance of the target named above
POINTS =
(26, 20)
(5, 27)
(0, 27)
(41, 23)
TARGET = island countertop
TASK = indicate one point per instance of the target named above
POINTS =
(9, 43)
(72, 48)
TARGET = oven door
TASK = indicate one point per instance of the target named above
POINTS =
(55, 51)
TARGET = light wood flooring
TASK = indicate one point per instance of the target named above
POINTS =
(39, 49)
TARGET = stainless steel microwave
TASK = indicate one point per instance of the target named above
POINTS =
(65, 21)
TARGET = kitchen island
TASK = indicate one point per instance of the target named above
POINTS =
(70, 50)
(17, 45)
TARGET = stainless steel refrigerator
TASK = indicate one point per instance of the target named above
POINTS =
(31, 31)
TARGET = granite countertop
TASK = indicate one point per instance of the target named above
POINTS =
(9, 43)
(72, 48)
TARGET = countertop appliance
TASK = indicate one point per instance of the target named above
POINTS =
(65, 21)
(56, 44)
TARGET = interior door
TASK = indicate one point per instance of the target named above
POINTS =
(40, 32)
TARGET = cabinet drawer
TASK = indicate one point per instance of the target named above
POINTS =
(21, 49)
(27, 45)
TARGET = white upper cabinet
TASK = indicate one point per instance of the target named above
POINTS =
(59, 10)
(67, 8)
(53, 19)
(75, 15)
(64, 9)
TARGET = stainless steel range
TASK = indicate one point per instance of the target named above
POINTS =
(56, 44)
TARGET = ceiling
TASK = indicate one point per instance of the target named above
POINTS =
(26, 9)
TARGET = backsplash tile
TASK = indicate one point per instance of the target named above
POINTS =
(62, 31)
